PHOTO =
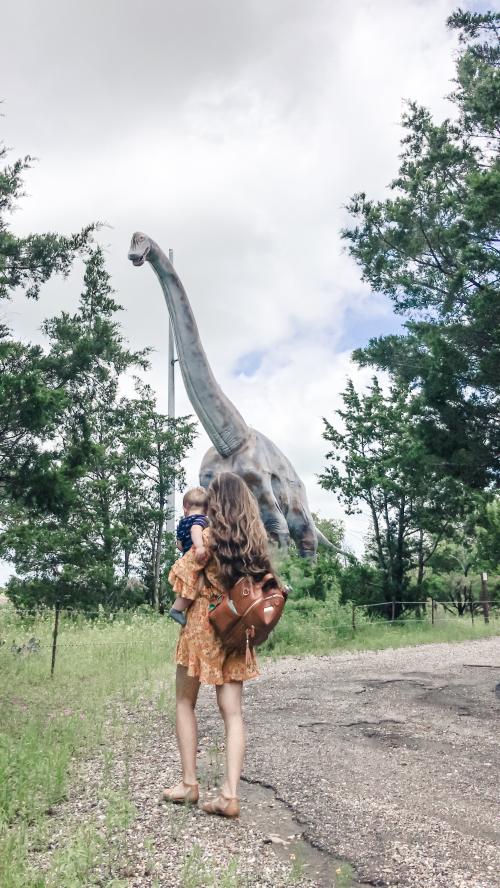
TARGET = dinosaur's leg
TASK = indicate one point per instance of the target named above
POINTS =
(273, 518)
(271, 514)
(303, 531)
(277, 528)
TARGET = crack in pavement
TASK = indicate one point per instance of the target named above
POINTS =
(316, 855)
(405, 807)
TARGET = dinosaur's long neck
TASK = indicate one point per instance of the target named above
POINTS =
(223, 423)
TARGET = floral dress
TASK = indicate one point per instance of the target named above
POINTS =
(198, 648)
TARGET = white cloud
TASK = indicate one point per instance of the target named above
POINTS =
(234, 133)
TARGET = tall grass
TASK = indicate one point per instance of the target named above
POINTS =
(47, 723)
(309, 626)
(104, 666)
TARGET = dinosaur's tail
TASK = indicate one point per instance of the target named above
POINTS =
(322, 540)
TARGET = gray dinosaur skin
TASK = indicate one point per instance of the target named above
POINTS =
(274, 482)
(237, 448)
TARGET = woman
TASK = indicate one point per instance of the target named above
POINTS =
(236, 545)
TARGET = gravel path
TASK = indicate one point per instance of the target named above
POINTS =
(165, 846)
(391, 759)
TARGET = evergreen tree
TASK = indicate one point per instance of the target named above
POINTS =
(29, 406)
(74, 556)
(28, 262)
(433, 248)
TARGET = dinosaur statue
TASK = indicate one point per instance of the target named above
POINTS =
(237, 448)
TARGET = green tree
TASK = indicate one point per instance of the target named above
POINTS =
(29, 405)
(453, 565)
(30, 409)
(378, 462)
(433, 248)
(332, 529)
(362, 583)
(28, 262)
(309, 578)
(153, 447)
(75, 556)
(488, 547)
(488, 541)
(472, 549)
(71, 550)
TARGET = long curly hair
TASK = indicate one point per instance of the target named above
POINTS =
(240, 545)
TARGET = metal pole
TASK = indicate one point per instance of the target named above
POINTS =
(171, 405)
(484, 597)
(54, 638)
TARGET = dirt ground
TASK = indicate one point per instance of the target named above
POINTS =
(389, 759)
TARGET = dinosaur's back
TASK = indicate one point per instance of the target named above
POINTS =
(259, 460)
(272, 479)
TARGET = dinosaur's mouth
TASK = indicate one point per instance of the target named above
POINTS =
(138, 254)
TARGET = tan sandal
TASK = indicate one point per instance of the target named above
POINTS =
(182, 794)
(223, 806)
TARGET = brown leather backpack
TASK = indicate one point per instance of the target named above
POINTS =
(245, 616)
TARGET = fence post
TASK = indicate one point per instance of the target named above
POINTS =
(393, 610)
(484, 597)
(432, 611)
(354, 618)
(54, 638)
(471, 605)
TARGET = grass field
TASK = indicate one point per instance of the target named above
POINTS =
(313, 627)
(102, 666)
(49, 724)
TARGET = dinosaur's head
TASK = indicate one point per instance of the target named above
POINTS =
(139, 248)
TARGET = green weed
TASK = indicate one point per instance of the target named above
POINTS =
(178, 818)
(149, 863)
(296, 868)
(229, 878)
(198, 872)
(102, 667)
(215, 769)
(72, 866)
(343, 876)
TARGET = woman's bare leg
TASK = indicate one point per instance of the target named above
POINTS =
(229, 698)
(186, 694)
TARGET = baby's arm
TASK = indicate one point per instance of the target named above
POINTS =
(197, 538)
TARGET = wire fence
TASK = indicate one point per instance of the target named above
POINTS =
(392, 613)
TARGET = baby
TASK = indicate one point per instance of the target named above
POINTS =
(189, 533)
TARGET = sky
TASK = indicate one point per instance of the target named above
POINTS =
(233, 133)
